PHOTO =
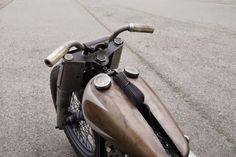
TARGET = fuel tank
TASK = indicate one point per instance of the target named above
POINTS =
(111, 113)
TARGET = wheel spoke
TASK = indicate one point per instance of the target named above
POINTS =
(82, 130)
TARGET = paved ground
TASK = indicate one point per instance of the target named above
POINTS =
(4, 3)
(189, 61)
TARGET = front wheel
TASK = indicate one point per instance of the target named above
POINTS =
(85, 142)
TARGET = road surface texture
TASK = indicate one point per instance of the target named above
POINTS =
(190, 61)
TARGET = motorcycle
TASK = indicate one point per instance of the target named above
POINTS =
(106, 111)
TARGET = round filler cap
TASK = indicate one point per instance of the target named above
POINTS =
(102, 81)
(131, 72)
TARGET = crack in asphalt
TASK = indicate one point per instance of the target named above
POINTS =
(95, 17)
(5, 3)
(194, 104)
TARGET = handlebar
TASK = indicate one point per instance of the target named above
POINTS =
(141, 28)
(57, 54)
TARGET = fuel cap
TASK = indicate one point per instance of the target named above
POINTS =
(102, 81)
(131, 72)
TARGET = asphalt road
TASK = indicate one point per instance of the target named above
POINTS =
(189, 61)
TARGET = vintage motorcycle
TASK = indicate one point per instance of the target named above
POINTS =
(106, 111)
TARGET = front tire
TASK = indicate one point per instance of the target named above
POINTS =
(76, 132)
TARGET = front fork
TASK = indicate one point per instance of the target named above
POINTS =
(63, 102)
(69, 80)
